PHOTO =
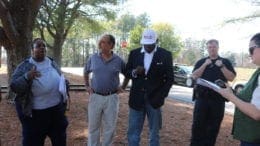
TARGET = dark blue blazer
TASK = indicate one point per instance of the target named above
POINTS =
(156, 84)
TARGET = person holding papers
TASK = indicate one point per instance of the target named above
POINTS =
(209, 105)
(39, 103)
(246, 126)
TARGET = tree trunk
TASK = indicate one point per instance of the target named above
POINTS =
(73, 48)
(14, 57)
(17, 19)
(57, 49)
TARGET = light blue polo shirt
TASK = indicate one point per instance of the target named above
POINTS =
(105, 74)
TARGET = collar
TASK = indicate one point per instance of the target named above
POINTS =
(216, 58)
(112, 57)
(144, 51)
(99, 53)
(31, 60)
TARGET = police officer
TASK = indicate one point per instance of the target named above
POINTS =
(209, 105)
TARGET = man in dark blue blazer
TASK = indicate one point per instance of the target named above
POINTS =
(151, 70)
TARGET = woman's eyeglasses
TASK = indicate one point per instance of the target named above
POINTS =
(251, 49)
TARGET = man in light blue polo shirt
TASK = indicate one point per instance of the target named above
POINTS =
(103, 106)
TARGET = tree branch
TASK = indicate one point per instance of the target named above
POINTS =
(49, 10)
(6, 3)
(47, 25)
(243, 19)
(36, 4)
(50, 31)
(74, 15)
(40, 27)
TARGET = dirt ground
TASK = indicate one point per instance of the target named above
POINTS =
(176, 130)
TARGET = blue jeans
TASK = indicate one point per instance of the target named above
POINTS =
(244, 143)
(136, 122)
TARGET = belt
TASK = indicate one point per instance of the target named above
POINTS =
(105, 94)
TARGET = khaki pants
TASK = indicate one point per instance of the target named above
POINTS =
(102, 111)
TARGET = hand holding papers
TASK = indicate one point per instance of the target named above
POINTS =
(63, 91)
(208, 84)
(62, 88)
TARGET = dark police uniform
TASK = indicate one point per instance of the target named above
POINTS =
(209, 105)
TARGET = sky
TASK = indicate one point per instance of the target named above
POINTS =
(202, 19)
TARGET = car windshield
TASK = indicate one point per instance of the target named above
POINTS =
(187, 69)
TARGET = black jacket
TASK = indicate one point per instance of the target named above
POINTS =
(156, 84)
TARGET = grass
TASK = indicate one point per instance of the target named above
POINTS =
(243, 74)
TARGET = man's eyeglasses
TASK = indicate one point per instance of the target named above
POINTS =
(251, 49)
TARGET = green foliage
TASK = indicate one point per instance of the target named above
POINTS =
(85, 29)
(143, 20)
(130, 28)
(191, 57)
(202, 47)
(231, 57)
(135, 37)
(193, 50)
(126, 23)
(56, 18)
(198, 45)
(75, 52)
(167, 38)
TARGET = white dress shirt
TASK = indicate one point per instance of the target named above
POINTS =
(148, 57)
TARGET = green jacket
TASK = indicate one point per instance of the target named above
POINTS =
(244, 127)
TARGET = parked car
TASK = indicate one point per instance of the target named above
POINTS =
(238, 86)
(181, 74)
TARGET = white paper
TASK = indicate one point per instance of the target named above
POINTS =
(62, 88)
(208, 84)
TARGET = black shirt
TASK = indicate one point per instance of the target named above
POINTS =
(211, 73)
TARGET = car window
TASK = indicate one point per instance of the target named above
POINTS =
(179, 70)
(182, 71)
(176, 69)
(187, 69)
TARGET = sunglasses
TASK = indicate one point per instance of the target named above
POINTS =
(251, 49)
